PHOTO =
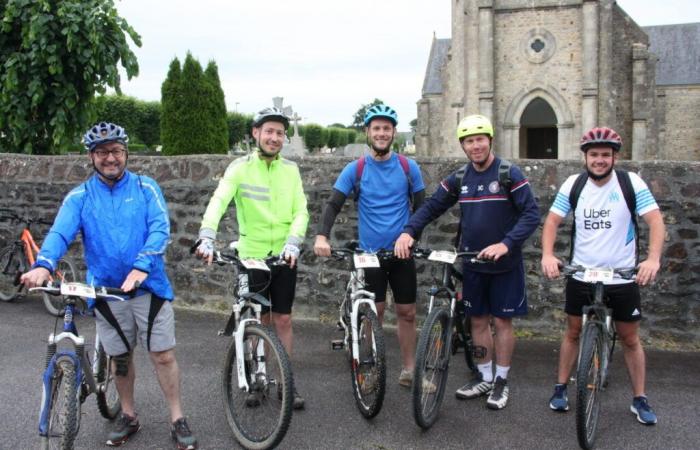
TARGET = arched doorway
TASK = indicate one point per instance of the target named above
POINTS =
(538, 131)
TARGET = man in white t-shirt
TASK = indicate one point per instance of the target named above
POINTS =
(605, 236)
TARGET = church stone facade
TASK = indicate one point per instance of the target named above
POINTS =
(545, 71)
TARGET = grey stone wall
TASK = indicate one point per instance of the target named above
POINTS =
(35, 185)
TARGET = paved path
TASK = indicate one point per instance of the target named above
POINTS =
(331, 420)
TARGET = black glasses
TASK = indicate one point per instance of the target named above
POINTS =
(103, 153)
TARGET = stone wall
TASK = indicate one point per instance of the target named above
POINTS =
(36, 185)
(681, 133)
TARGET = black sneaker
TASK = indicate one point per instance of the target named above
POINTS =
(181, 434)
(298, 402)
(498, 399)
(475, 388)
(125, 426)
(252, 400)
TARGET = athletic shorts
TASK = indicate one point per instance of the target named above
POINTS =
(623, 299)
(278, 285)
(400, 274)
(148, 318)
(496, 294)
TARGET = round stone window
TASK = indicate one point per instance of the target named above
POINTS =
(539, 45)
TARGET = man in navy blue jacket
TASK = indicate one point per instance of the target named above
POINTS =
(123, 220)
(496, 219)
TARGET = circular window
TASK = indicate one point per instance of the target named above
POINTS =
(539, 45)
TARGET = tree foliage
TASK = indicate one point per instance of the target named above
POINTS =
(140, 119)
(358, 121)
(313, 136)
(55, 55)
(238, 126)
(194, 112)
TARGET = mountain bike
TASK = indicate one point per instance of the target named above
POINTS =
(70, 373)
(598, 338)
(446, 329)
(18, 257)
(364, 338)
(257, 383)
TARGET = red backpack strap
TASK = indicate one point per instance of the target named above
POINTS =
(404, 164)
(359, 168)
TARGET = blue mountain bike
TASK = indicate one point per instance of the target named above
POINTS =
(70, 373)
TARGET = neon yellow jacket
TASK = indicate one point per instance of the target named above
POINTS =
(270, 205)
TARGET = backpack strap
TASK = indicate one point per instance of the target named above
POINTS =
(574, 194)
(623, 177)
(360, 168)
(504, 178)
(455, 190)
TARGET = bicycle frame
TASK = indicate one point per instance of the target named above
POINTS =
(80, 360)
(30, 247)
(359, 296)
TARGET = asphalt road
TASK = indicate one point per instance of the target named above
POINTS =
(331, 420)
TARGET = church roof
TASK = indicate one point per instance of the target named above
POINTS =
(678, 50)
(432, 83)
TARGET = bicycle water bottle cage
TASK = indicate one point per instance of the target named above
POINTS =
(122, 364)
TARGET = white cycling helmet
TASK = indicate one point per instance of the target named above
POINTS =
(104, 132)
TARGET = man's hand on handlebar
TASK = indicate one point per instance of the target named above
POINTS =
(321, 246)
(493, 252)
(205, 249)
(35, 277)
(402, 247)
(133, 280)
(646, 271)
(550, 266)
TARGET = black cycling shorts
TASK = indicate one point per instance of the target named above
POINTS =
(401, 276)
(623, 299)
(278, 286)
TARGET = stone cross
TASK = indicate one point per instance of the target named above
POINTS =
(296, 118)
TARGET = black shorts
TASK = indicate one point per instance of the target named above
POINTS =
(401, 276)
(278, 286)
(623, 299)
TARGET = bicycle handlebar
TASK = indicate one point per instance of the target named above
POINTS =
(472, 255)
(54, 288)
(627, 273)
(223, 259)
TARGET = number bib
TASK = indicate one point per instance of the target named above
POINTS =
(255, 264)
(365, 260)
(597, 274)
(444, 256)
(77, 290)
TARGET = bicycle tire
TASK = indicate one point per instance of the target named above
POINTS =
(259, 418)
(589, 385)
(369, 373)
(10, 268)
(107, 398)
(432, 365)
(63, 415)
(65, 271)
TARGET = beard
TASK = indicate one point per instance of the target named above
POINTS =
(383, 151)
(595, 177)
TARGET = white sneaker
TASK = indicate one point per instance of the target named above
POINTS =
(475, 388)
(498, 399)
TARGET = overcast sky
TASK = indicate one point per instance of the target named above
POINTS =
(325, 57)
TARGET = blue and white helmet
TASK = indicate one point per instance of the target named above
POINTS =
(104, 132)
(383, 111)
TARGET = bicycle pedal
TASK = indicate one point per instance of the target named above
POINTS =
(220, 332)
(337, 344)
(339, 326)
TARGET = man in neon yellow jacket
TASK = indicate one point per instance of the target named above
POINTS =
(272, 218)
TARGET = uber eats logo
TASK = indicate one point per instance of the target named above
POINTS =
(595, 219)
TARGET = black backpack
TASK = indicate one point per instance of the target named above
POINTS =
(623, 177)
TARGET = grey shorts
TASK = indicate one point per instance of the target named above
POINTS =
(150, 319)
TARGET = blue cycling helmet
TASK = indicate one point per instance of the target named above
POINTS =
(384, 111)
(104, 132)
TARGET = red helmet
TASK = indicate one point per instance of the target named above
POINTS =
(601, 136)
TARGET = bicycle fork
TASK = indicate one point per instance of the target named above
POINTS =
(246, 354)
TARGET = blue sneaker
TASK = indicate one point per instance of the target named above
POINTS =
(559, 401)
(640, 407)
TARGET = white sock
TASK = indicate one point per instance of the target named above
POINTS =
(502, 371)
(486, 370)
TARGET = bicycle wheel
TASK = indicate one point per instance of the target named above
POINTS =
(65, 271)
(107, 395)
(589, 384)
(432, 363)
(10, 269)
(259, 417)
(63, 416)
(368, 368)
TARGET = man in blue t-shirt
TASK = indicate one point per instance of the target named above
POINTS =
(495, 220)
(384, 185)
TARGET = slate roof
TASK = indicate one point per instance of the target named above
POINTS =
(432, 83)
(678, 49)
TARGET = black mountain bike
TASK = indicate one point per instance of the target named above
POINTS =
(598, 338)
(445, 331)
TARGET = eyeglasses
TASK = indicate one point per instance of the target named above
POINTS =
(102, 153)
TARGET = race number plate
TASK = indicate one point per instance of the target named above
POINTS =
(365, 261)
(445, 256)
(77, 289)
(596, 275)
(255, 264)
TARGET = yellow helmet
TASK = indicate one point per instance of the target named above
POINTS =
(474, 124)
